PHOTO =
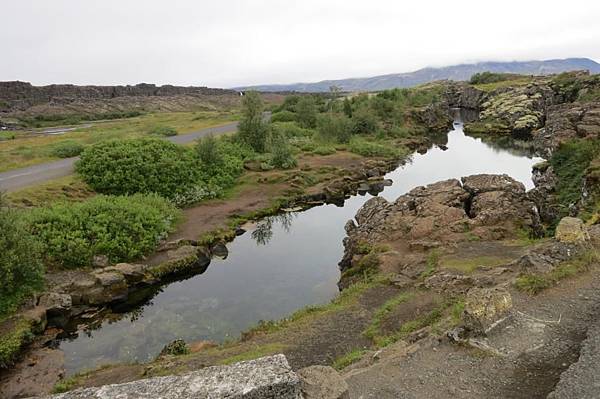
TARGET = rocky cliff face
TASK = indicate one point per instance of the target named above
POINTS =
(565, 122)
(463, 95)
(18, 95)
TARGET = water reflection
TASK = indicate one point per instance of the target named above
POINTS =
(263, 232)
(284, 263)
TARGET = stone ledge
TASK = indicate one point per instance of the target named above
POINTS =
(264, 378)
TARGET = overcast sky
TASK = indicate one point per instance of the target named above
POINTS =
(225, 43)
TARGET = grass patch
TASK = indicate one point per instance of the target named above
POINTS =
(535, 283)
(366, 266)
(69, 383)
(374, 328)
(70, 188)
(411, 326)
(346, 298)
(369, 148)
(456, 310)
(432, 262)
(259, 351)
(469, 265)
(346, 360)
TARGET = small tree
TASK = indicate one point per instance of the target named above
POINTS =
(253, 130)
(347, 107)
(208, 151)
(282, 156)
(306, 111)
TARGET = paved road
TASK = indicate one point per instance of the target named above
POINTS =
(36, 174)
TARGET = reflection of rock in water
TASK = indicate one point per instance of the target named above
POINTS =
(220, 251)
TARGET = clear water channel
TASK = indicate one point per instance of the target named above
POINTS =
(285, 263)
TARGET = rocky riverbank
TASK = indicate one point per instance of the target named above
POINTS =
(84, 297)
(460, 288)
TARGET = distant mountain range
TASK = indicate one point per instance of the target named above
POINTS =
(455, 72)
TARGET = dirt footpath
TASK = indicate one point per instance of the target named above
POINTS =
(541, 338)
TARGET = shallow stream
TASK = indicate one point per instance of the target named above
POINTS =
(285, 263)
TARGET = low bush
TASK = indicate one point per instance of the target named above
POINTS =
(283, 116)
(5, 136)
(225, 165)
(364, 121)
(67, 149)
(334, 128)
(282, 156)
(21, 268)
(165, 131)
(324, 150)
(121, 227)
(489, 77)
(291, 129)
(139, 166)
(361, 146)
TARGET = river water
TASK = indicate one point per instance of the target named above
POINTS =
(285, 263)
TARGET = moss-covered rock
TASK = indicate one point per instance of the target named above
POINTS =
(181, 260)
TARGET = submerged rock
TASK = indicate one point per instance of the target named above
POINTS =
(220, 250)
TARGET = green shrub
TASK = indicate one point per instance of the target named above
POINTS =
(5, 136)
(207, 151)
(21, 269)
(324, 150)
(139, 166)
(166, 131)
(364, 121)
(67, 149)
(289, 103)
(283, 116)
(225, 165)
(282, 156)
(122, 228)
(335, 128)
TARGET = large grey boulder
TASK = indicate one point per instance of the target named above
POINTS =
(266, 378)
